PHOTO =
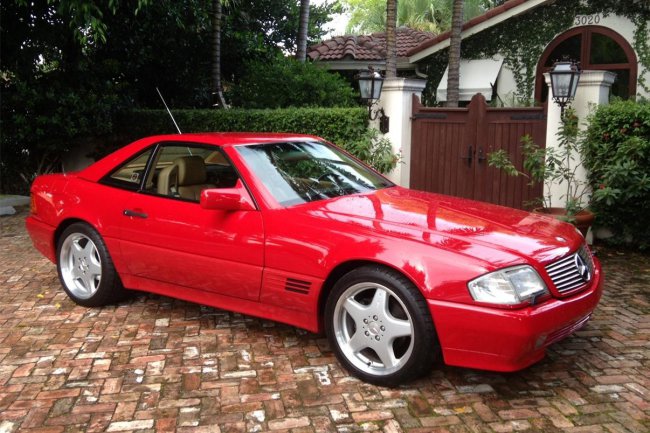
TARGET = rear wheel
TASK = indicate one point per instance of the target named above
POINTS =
(85, 268)
(379, 326)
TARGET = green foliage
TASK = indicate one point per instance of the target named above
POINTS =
(45, 121)
(339, 125)
(86, 17)
(53, 97)
(285, 82)
(617, 144)
(141, 44)
(374, 149)
(642, 48)
(425, 15)
(552, 166)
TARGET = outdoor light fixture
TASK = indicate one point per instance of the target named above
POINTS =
(370, 84)
(565, 76)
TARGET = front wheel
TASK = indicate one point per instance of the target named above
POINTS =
(379, 326)
(85, 268)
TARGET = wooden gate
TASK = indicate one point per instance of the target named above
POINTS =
(449, 149)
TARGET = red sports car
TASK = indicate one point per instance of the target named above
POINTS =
(293, 229)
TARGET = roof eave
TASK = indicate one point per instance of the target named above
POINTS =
(403, 64)
(350, 65)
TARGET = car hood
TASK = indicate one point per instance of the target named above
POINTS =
(477, 229)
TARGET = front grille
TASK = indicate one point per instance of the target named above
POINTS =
(573, 271)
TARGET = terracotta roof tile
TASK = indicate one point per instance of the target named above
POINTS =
(367, 47)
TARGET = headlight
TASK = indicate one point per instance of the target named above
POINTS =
(510, 286)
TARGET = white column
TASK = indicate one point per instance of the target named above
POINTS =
(395, 99)
(593, 90)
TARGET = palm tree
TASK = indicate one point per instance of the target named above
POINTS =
(303, 25)
(453, 79)
(425, 15)
(368, 16)
(391, 39)
(218, 100)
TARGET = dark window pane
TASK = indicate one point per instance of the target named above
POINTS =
(129, 175)
(605, 50)
(570, 47)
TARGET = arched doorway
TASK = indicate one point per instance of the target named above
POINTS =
(597, 48)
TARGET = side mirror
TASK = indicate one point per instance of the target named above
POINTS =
(227, 199)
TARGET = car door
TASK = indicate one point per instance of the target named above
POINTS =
(172, 239)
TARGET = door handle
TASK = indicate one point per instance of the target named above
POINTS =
(132, 213)
(469, 156)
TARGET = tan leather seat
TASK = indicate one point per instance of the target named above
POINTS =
(192, 177)
(168, 181)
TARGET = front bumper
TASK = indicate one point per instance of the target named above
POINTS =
(510, 340)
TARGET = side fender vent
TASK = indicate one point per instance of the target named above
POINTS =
(297, 286)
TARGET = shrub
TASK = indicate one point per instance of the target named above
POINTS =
(617, 145)
(285, 82)
(375, 149)
(42, 119)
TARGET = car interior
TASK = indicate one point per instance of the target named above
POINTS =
(185, 178)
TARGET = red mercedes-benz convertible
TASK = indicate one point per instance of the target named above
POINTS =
(290, 228)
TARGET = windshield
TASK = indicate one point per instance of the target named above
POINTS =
(305, 171)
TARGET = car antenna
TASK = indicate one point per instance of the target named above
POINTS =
(170, 113)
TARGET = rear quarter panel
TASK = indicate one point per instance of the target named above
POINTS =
(63, 199)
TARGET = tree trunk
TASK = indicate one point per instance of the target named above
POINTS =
(453, 79)
(218, 101)
(391, 39)
(303, 26)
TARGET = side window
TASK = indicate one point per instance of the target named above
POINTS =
(183, 171)
(129, 175)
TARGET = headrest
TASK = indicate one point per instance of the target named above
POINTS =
(191, 170)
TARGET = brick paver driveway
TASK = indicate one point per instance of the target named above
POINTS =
(156, 364)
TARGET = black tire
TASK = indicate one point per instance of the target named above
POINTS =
(85, 268)
(386, 306)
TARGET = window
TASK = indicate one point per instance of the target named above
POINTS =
(183, 171)
(129, 175)
(596, 48)
(300, 172)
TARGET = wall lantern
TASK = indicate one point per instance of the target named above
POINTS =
(370, 84)
(565, 76)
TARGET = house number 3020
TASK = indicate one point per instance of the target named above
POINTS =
(585, 20)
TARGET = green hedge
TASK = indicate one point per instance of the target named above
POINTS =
(346, 127)
(338, 125)
(617, 151)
